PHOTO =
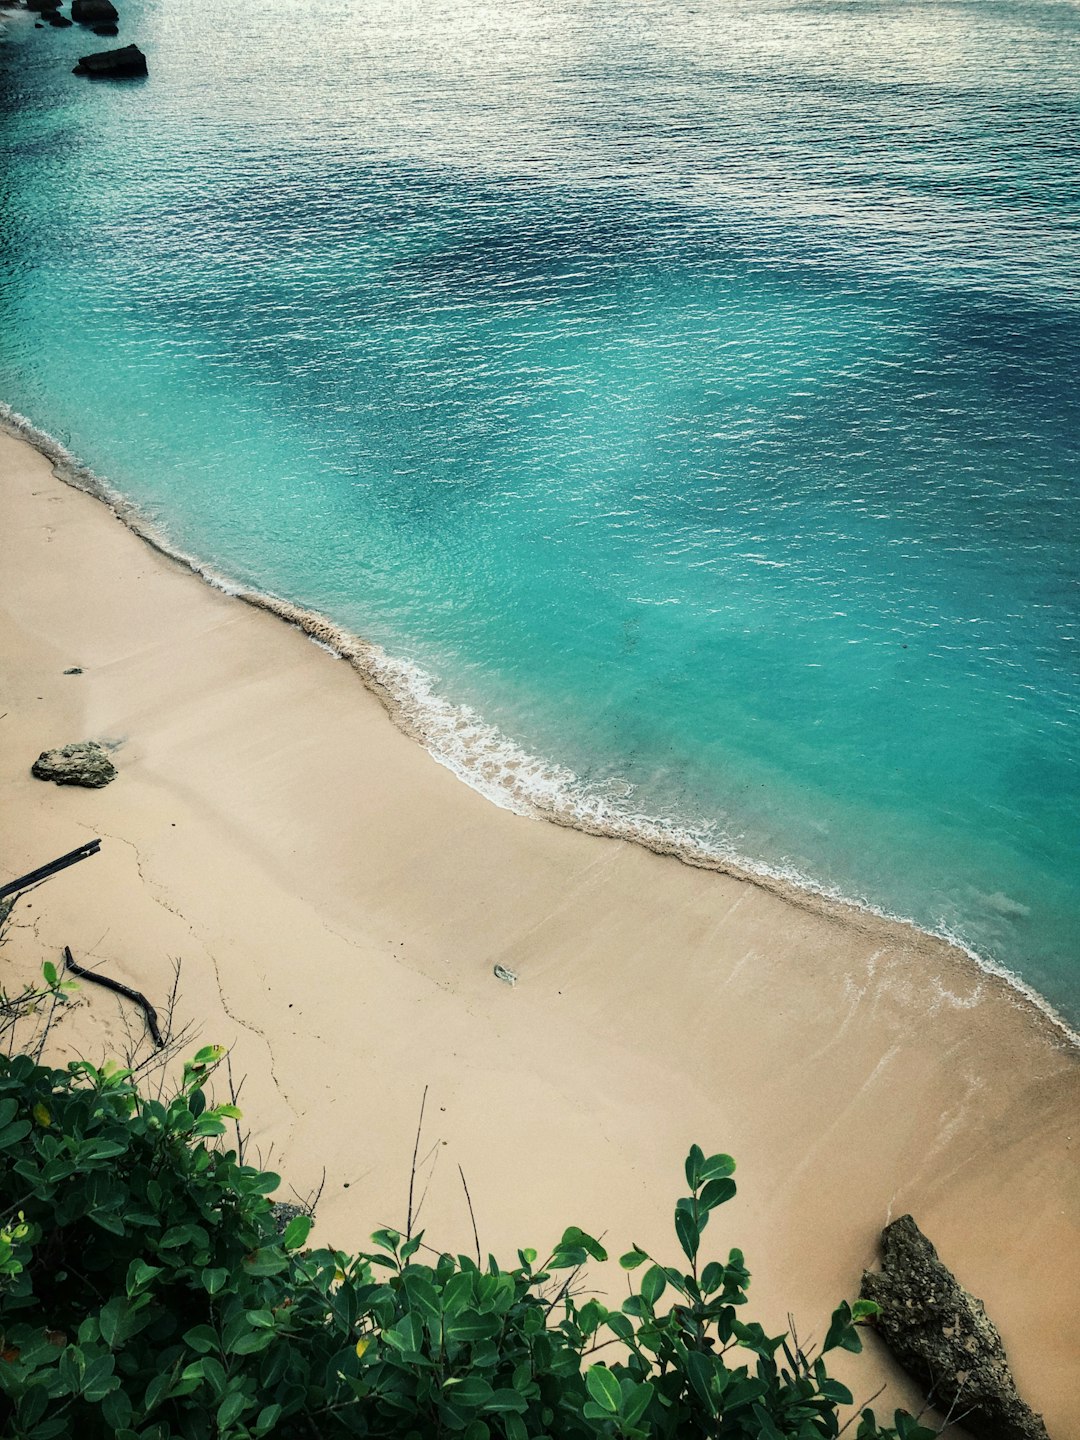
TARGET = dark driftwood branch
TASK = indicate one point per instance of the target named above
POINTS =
(35, 877)
(126, 990)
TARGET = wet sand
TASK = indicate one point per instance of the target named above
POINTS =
(339, 901)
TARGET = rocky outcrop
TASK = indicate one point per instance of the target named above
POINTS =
(86, 763)
(106, 30)
(94, 12)
(944, 1337)
(40, 6)
(113, 64)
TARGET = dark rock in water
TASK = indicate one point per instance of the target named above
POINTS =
(113, 64)
(944, 1336)
(86, 763)
(40, 6)
(106, 30)
(94, 12)
(56, 20)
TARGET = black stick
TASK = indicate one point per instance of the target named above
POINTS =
(126, 990)
(13, 887)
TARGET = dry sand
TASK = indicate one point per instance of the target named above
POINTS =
(339, 901)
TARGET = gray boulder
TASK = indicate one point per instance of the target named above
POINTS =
(113, 64)
(86, 763)
(945, 1338)
(94, 12)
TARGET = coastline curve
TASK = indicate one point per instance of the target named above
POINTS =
(492, 764)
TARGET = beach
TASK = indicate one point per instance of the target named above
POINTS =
(339, 902)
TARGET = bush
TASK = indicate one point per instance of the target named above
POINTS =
(145, 1292)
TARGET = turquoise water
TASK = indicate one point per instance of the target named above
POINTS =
(686, 391)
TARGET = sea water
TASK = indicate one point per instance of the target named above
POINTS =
(682, 393)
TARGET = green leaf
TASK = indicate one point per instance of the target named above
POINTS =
(202, 1339)
(507, 1401)
(11, 1134)
(266, 1261)
(766, 1429)
(296, 1232)
(268, 1418)
(687, 1231)
(694, 1162)
(157, 1390)
(633, 1258)
(842, 1333)
(231, 1408)
(603, 1387)
(635, 1400)
(213, 1280)
(653, 1285)
(575, 1239)
(473, 1391)
(716, 1167)
(252, 1343)
(116, 1410)
(716, 1192)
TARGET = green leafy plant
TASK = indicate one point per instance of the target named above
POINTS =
(145, 1293)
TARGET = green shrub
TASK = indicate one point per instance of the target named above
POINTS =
(145, 1292)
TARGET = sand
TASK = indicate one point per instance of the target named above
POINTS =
(339, 902)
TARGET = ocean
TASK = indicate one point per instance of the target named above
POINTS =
(681, 394)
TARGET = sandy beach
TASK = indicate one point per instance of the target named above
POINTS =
(339, 902)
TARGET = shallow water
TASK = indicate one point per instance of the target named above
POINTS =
(689, 389)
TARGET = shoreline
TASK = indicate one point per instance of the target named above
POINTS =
(384, 676)
(339, 903)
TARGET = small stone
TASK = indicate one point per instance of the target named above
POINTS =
(86, 763)
(75, 670)
(945, 1338)
(508, 977)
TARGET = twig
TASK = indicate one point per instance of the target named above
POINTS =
(234, 1096)
(412, 1172)
(880, 1390)
(472, 1215)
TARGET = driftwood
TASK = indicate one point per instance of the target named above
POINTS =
(24, 882)
(125, 990)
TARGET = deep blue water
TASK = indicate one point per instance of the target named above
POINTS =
(688, 389)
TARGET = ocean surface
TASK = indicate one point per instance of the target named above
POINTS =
(685, 395)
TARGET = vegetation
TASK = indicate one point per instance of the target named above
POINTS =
(145, 1292)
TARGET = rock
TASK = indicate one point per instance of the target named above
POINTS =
(86, 763)
(56, 20)
(106, 30)
(40, 6)
(943, 1335)
(94, 12)
(75, 670)
(113, 64)
(283, 1211)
